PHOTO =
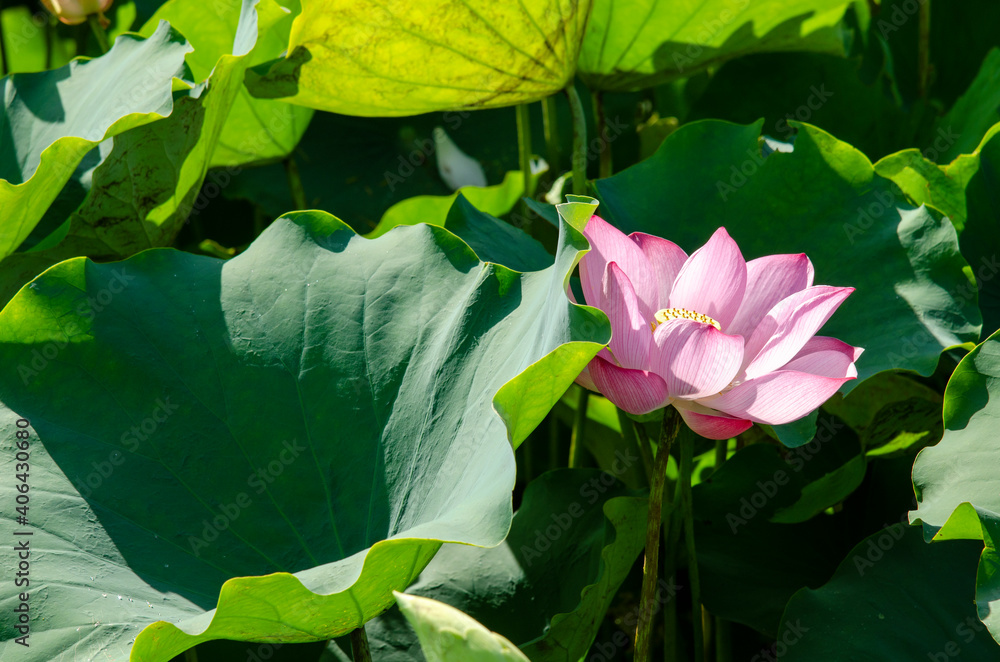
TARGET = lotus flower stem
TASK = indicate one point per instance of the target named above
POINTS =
(576, 436)
(687, 462)
(50, 37)
(295, 183)
(3, 51)
(102, 36)
(551, 127)
(191, 655)
(671, 536)
(723, 641)
(924, 48)
(601, 121)
(359, 645)
(647, 606)
(579, 141)
(721, 452)
(524, 147)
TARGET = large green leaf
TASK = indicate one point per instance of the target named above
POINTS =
(448, 635)
(825, 90)
(759, 529)
(893, 598)
(574, 539)
(150, 183)
(150, 179)
(397, 58)
(965, 190)
(632, 44)
(50, 120)
(254, 129)
(322, 407)
(955, 481)
(824, 199)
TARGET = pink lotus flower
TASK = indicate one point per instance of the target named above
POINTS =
(725, 341)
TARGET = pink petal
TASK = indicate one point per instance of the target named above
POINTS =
(695, 359)
(777, 397)
(630, 334)
(769, 280)
(666, 259)
(609, 244)
(787, 327)
(711, 426)
(827, 357)
(584, 379)
(635, 391)
(713, 280)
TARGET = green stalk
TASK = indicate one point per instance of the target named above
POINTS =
(295, 183)
(359, 645)
(924, 48)
(723, 640)
(671, 534)
(579, 141)
(576, 436)
(668, 432)
(50, 37)
(601, 121)
(550, 124)
(3, 47)
(553, 442)
(98, 29)
(191, 655)
(686, 466)
(524, 147)
(721, 452)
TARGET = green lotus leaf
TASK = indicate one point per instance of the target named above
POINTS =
(255, 129)
(759, 529)
(634, 44)
(448, 635)
(50, 120)
(284, 438)
(893, 598)
(957, 490)
(396, 59)
(574, 539)
(145, 185)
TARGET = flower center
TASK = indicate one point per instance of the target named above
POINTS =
(668, 314)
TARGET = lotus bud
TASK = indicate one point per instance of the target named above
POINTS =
(74, 12)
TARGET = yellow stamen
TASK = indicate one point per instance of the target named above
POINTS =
(668, 314)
